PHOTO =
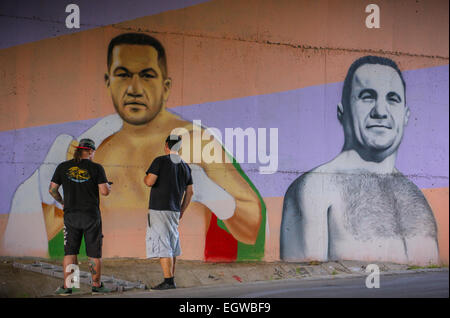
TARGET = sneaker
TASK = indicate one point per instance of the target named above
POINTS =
(61, 291)
(164, 286)
(100, 290)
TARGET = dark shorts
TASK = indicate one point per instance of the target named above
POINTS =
(78, 224)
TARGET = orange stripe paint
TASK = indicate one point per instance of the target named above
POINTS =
(439, 202)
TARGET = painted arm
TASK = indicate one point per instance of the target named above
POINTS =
(25, 233)
(304, 225)
(244, 219)
(33, 209)
(224, 191)
(291, 234)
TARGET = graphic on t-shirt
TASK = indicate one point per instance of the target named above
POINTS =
(77, 174)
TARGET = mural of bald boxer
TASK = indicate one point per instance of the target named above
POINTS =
(358, 206)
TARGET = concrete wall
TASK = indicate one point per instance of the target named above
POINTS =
(252, 63)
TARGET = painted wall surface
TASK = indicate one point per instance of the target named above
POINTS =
(365, 179)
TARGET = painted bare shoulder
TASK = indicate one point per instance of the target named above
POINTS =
(304, 233)
(316, 182)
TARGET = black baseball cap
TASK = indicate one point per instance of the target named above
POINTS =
(173, 138)
(86, 144)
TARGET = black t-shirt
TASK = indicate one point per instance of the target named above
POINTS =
(173, 178)
(80, 184)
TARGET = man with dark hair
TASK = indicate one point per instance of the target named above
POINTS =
(82, 180)
(137, 77)
(139, 39)
(359, 206)
(171, 182)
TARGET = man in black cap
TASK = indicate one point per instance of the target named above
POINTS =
(171, 181)
(82, 180)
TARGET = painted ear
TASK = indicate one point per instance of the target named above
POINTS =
(340, 112)
(407, 113)
(167, 87)
(107, 79)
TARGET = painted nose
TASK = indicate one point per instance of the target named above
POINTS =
(135, 87)
(380, 110)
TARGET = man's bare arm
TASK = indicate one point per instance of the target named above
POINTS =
(150, 179)
(186, 199)
(53, 190)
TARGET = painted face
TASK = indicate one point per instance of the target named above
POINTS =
(377, 108)
(136, 83)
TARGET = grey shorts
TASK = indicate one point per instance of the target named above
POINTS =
(162, 239)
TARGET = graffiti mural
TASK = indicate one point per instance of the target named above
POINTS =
(358, 205)
(343, 128)
(139, 86)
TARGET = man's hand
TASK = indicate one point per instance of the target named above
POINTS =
(104, 188)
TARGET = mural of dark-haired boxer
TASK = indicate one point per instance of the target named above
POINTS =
(232, 213)
(358, 206)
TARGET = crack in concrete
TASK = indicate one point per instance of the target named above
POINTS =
(296, 46)
(286, 44)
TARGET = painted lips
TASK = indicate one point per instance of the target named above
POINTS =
(379, 126)
(134, 104)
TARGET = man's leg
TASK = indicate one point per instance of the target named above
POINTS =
(162, 225)
(68, 260)
(94, 240)
(173, 267)
(167, 264)
(95, 266)
(72, 242)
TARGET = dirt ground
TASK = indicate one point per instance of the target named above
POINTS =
(18, 283)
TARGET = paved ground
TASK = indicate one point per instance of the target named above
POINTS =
(16, 282)
(408, 285)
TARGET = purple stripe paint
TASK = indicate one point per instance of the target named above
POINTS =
(23, 21)
(22, 151)
(308, 130)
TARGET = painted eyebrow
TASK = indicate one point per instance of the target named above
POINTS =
(146, 70)
(150, 69)
(394, 94)
(367, 90)
(121, 68)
